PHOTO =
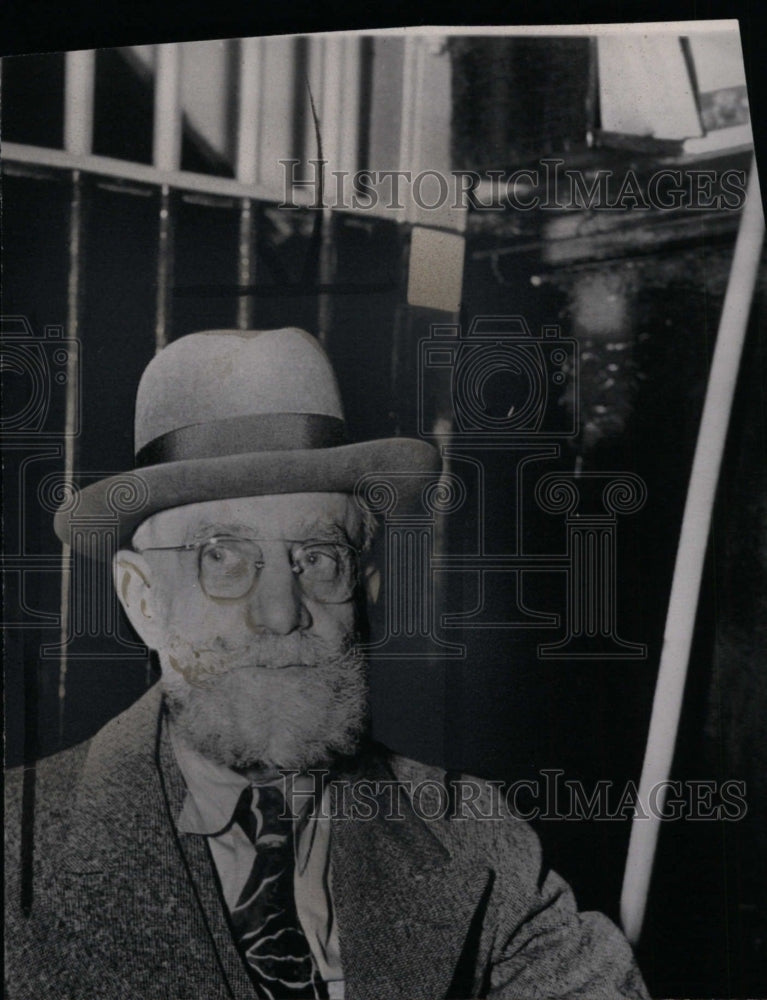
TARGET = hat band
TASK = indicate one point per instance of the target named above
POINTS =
(241, 435)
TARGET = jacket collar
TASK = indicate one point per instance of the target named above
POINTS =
(403, 903)
(119, 791)
(123, 855)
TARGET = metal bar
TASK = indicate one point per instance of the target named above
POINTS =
(591, 102)
(166, 148)
(246, 263)
(339, 101)
(166, 155)
(352, 93)
(411, 126)
(685, 588)
(280, 68)
(79, 86)
(327, 271)
(164, 269)
(224, 187)
(184, 180)
(249, 119)
(249, 109)
(74, 297)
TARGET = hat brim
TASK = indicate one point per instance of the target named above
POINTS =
(121, 502)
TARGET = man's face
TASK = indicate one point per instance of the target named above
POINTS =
(254, 624)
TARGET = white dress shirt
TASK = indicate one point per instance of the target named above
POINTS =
(213, 792)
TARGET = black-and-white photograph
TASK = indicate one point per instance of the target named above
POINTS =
(385, 516)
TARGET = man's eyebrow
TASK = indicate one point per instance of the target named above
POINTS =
(213, 528)
(320, 529)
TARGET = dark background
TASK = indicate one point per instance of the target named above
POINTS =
(502, 713)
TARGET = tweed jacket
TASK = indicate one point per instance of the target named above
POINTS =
(125, 907)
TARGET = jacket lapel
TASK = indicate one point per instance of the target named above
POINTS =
(128, 872)
(403, 905)
(203, 876)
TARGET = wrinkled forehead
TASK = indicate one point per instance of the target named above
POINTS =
(289, 515)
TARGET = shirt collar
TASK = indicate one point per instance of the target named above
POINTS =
(214, 790)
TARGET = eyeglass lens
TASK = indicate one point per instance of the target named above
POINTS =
(229, 567)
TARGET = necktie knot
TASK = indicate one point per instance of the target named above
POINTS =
(276, 822)
(273, 826)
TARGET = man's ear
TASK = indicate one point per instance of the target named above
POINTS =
(371, 582)
(133, 583)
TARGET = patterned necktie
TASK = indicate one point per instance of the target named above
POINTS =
(265, 921)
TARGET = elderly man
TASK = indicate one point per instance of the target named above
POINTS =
(202, 845)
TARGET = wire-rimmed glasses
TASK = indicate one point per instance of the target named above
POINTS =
(228, 567)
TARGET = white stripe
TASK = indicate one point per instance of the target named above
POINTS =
(685, 588)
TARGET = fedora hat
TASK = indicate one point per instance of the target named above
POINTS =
(228, 413)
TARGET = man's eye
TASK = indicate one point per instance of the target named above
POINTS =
(223, 558)
(319, 562)
(217, 554)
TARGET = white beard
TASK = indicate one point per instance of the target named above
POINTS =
(246, 708)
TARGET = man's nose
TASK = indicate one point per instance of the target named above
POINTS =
(275, 604)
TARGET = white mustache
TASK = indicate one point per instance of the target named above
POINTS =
(269, 652)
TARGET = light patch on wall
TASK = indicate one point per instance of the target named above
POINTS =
(435, 275)
(645, 87)
(599, 304)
